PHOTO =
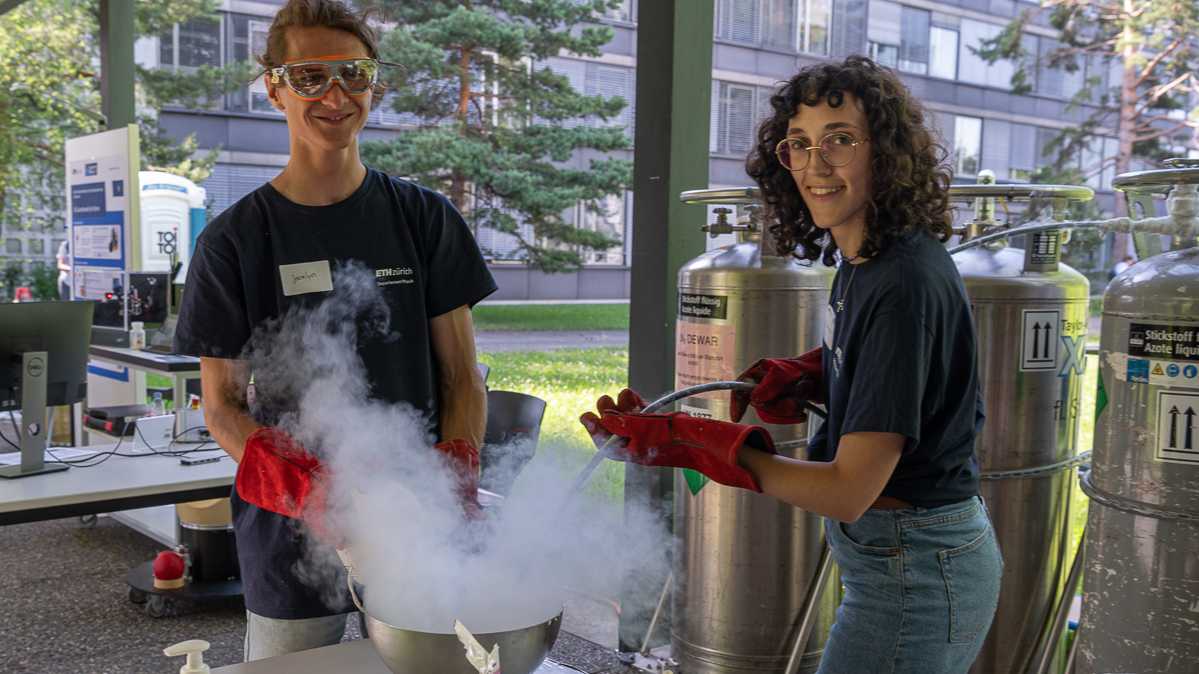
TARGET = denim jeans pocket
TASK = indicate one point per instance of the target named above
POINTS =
(867, 538)
(972, 575)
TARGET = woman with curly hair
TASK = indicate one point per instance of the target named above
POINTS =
(850, 174)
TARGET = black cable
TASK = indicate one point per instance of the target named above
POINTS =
(13, 419)
(100, 457)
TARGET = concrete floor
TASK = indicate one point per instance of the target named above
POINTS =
(64, 607)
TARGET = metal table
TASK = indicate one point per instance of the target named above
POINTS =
(120, 483)
(358, 657)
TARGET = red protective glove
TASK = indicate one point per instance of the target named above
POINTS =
(783, 385)
(277, 474)
(464, 461)
(677, 440)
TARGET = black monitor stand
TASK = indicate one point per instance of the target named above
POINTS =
(33, 419)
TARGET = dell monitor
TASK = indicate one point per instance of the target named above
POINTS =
(43, 361)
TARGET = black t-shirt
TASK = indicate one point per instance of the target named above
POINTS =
(426, 263)
(899, 357)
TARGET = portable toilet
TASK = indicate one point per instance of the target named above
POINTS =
(172, 215)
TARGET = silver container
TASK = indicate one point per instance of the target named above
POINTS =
(743, 561)
(1141, 576)
(404, 651)
(1030, 316)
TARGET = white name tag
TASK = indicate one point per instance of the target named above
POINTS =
(306, 277)
(830, 325)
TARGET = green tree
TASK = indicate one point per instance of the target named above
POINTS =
(1154, 107)
(496, 125)
(50, 91)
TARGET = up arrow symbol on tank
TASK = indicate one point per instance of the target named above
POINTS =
(1188, 435)
(1040, 350)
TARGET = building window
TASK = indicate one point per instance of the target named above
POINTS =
(191, 44)
(609, 221)
(883, 31)
(1022, 154)
(259, 101)
(623, 11)
(1045, 137)
(943, 53)
(790, 25)
(972, 68)
(12, 246)
(967, 145)
(914, 40)
(1054, 79)
(610, 81)
(37, 247)
(735, 119)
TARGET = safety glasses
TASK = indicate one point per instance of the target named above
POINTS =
(311, 78)
(837, 149)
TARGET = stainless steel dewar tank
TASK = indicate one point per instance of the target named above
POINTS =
(1030, 315)
(743, 561)
(1141, 563)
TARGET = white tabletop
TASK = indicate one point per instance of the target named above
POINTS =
(358, 657)
(118, 483)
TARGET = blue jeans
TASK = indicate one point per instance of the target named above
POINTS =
(272, 637)
(921, 587)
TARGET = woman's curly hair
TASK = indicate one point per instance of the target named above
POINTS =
(909, 177)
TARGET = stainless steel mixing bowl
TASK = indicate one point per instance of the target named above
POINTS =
(404, 651)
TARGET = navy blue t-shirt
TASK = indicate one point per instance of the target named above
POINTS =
(426, 264)
(899, 357)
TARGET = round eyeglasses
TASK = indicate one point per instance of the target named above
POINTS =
(837, 149)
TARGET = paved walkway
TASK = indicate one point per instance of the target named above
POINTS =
(516, 340)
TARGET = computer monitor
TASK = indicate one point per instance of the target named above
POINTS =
(43, 361)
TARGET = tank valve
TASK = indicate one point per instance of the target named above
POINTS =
(723, 226)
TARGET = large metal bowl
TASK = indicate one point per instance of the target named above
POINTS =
(404, 651)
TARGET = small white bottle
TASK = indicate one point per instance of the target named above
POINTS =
(137, 336)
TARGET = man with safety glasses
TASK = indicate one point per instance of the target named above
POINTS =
(279, 248)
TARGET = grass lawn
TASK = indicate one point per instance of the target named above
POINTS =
(569, 380)
(1086, 440)
(551, 317)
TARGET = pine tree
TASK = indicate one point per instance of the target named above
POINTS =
(1155, 105)
(496, 125)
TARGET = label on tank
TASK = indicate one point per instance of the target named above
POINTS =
(704, 352)
(1170, 373)
(1039, 346)
(1177, 437)
(703, 306)
(1044, 249)
(1164, 341)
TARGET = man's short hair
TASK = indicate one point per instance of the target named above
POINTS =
(310, 14)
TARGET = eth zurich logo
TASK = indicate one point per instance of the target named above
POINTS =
(36, 367)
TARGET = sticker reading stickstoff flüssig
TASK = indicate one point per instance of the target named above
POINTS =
(1164, 341)
(1163, 354)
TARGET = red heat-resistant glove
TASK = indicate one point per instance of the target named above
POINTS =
(464, 461)
(782, 387)
(678, 440)
(279, 475)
